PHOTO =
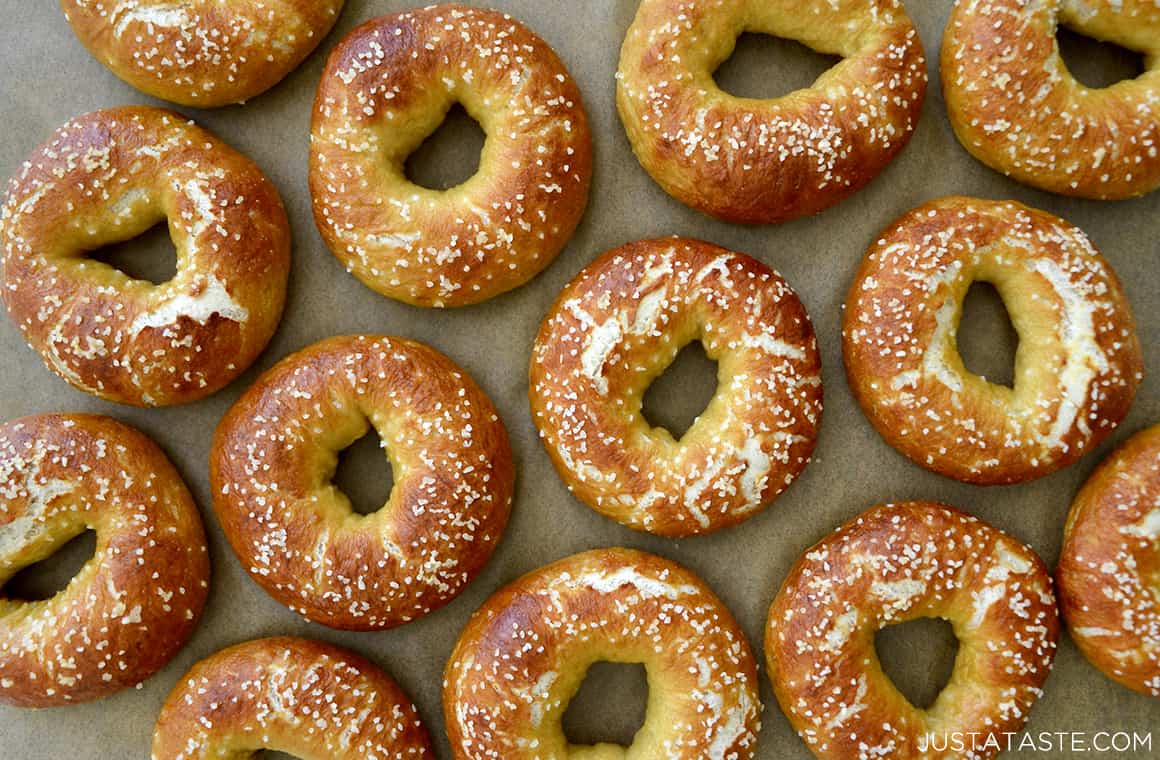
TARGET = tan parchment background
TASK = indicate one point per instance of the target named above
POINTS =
(46, 77)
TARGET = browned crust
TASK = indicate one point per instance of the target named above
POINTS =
(108, 176)
(616, 327)
(135, 603)
(1109, 569)
(1078, 364)
(201, 53)
(291, 695)
(386, 87)
(1015, 107)
(275, 451)
(894, 563)
(526, 650)
(762, 161)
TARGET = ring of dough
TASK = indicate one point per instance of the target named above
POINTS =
(1015, 106)
(135, 602)
(275, 453)
(892, 564)
(617, 326)
(1109, 569)
(1076, 369)
(525, 652)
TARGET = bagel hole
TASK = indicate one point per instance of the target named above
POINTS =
(987, 339)
(610, 706)
(677, 398)
(364, 474)
(270, 754)
(766, 67)
(1095, 63)
(150, 256)
(45, 579)
(450, 155)
(919, 657)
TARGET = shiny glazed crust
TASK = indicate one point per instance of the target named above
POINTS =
(386, 88)
(293, 530)
(202, 53)
(106, 177)
(617, 326)
(1109, 569)
(1016, 107)
(759, 161)
(134, 604)
(525, 652)
(891, 564)
(306, 698)
(1076, 369)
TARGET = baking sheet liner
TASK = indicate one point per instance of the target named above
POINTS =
(48, 77)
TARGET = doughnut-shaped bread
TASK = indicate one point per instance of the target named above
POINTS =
(106, 177)
(134, 604)
(293, 530)
(525, 652)
(892, 564)
(1015, 106)
(386, 88)
(1076, 368)
(1109, 569)
(202, 53)
(615, 329)
(306, 698)
(761, 161)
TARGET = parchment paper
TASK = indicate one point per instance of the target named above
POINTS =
(47, 77)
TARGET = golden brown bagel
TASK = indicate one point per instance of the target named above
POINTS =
(201, 53)
(1015, 106)
(525, 652)
(293, 530)
(760, 161)
(617, 326)
(1076, 369)
(108, 176)
(386, 88)
(892, 564)
(1109, 569)
(313, 700)
(132, 606)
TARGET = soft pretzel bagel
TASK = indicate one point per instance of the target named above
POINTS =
(202, 53)
(892, 564)
(1076, 369)
(386, 88)
(1015, 106)
(525, 652)
(1109, 569)
(312, 700)
(106, 177)
(132, 606)
(293, 530)
(615, 329)
(759, 161)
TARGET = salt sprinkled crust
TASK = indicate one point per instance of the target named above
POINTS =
(892, 564)
(202, 53)
(1015, 106)
(617, 326)
(293, 530)
(760, 161)
(305, 698)
(108, 176)
(134, 604)
(525, 652)
(386, 88)
(1110, 565)
(1076, 369)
